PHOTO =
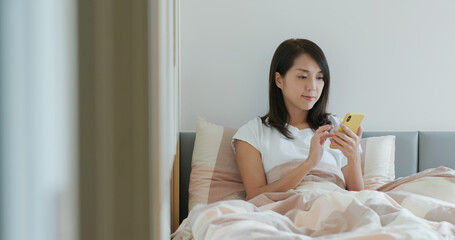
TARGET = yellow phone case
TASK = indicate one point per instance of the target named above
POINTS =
(352, 121)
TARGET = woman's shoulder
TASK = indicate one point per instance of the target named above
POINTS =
(256, 127)
(255, 123)
(250, 132)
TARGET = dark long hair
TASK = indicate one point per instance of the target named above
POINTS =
(282, 61)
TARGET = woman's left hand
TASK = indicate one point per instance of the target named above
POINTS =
(348, 143)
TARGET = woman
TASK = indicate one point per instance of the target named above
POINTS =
(296, 126)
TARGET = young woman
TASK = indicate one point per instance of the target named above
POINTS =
(296, 126)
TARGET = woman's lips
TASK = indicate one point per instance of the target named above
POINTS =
(309, 98)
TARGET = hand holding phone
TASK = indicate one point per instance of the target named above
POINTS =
(352, 121)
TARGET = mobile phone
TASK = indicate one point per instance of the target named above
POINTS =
(352, 121)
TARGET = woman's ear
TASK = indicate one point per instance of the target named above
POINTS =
(278, 80)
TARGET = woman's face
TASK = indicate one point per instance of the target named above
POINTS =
(302, 84)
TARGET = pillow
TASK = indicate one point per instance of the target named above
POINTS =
(214, 172)
(378, 161)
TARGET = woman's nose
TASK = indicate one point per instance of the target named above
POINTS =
(311, 84)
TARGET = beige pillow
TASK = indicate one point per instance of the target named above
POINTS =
(378, 161)
(214, 172)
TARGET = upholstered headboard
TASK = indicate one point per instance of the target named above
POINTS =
(414, 151)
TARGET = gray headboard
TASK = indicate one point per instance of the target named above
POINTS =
(414, 151)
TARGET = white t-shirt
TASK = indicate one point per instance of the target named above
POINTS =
(276, 149)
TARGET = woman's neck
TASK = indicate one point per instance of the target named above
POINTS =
(298, 119)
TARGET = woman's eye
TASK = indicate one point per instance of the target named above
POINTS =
(321, 78)
(302, 77)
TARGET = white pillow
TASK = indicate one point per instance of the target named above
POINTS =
(378, 161)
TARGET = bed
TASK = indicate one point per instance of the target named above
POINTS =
(419, 155)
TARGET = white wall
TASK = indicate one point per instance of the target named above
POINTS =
(392, 60)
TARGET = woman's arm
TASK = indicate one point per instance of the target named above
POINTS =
(349, 144)
(251, 170)
(353, 174)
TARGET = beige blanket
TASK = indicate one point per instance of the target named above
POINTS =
(421, 206)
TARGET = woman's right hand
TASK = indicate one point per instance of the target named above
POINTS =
(317, 144)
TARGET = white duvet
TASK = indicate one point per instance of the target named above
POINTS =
(421, 206)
